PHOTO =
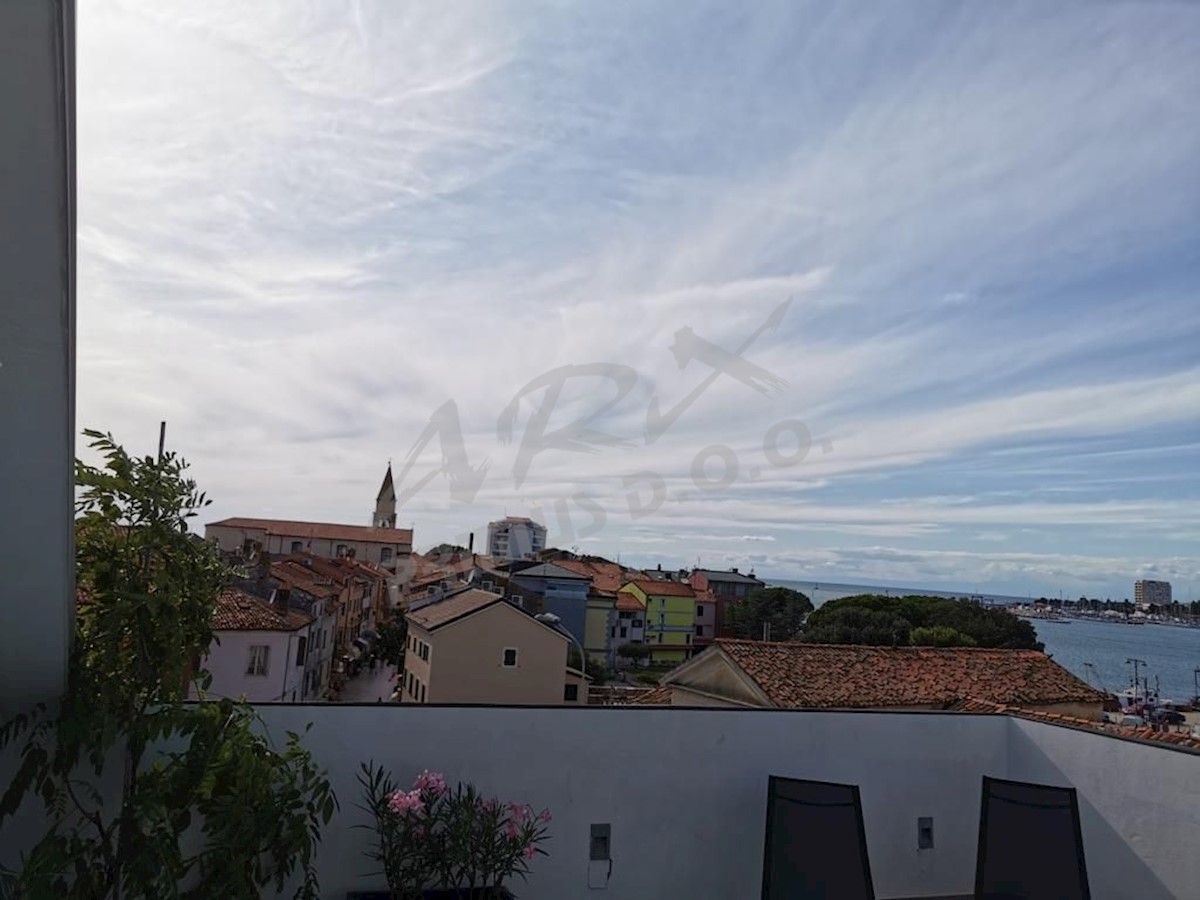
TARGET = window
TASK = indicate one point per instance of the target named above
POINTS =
(297, 546)
(509, 658)
(301, 650)
(422, 693)
(613, 631)
(257, 662)
(699, 631)
(662, 618)
(571, 693)
(488, 584)
(660, 638)
(637, 623)
(700, 610)
(424, 651)
(687, 638)
(341, 549)
(385, 554)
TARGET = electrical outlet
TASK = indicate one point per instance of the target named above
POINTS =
(925, 833)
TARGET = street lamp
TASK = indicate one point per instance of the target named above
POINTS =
(556, 623)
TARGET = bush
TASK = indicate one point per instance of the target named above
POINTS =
(940, 636)
(870, 619)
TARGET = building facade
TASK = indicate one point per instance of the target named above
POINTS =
(670, 617)
(476, 647)
(385, 547)
(556, 590)
(515, 538)
(260, 649)
(1151, 593)
(724, 587)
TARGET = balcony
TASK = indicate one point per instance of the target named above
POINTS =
(695, 826)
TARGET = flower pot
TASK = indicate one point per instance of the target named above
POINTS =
(484, 893)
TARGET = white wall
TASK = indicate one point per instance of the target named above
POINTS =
(1139, 807)
(37, 332)
(227, 663)
(689, 819)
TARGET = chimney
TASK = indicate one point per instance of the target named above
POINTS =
(734, 570)
(279, 600)
(660, 567)
(471, 542)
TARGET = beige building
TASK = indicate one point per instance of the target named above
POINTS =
(833, 676)
(476, 647)
(383, 546)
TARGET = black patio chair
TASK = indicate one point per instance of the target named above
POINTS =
(816, 846)
(1030, 843)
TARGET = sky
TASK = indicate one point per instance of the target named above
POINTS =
(937, 263)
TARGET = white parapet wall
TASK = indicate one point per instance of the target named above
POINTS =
(685, 791)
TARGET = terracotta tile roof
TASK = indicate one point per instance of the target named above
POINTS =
(629, 601)
(607, 577)
(453, 607)
(296, 575)
(321, 530)
(798, 675)
(657, 696)
(237, 610)
(654, 588)
(1145, 733)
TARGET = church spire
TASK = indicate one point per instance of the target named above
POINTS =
(385, 503)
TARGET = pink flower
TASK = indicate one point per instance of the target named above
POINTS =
(433, 782)
(510, 830)
(545, 816)
(530, 853)
(403, 802)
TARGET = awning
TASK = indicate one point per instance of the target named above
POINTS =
(361, 643)
(370, 634)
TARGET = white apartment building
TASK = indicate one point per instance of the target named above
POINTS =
(1151, 593)
(515, 537)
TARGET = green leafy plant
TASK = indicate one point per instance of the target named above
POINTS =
(204, 804)
(455, 841)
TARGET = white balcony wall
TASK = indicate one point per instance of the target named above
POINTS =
(690, 819)
(1139, 807)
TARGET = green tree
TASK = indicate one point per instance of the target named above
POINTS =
(939, 636)
(987, 626)
(635, 653)
(251, 813)
(393, 640)
(857, 625)
(776, 611)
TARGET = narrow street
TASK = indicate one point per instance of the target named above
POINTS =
(368, 687)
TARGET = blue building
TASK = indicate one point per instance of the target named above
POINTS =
(562, 592)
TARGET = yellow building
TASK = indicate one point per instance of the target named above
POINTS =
(670, 617)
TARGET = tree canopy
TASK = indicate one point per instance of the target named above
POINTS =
(777, 612)
(206, 798)
(918, 620)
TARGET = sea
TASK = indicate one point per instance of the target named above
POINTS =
(1096, 651)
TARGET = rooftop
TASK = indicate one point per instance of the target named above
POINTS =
(320, 530)
(719, 575)
(549, 570)
(653, 588)
(607, 577)
(798, 675)
(238, 610)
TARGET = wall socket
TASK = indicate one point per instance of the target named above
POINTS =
(925, 833)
